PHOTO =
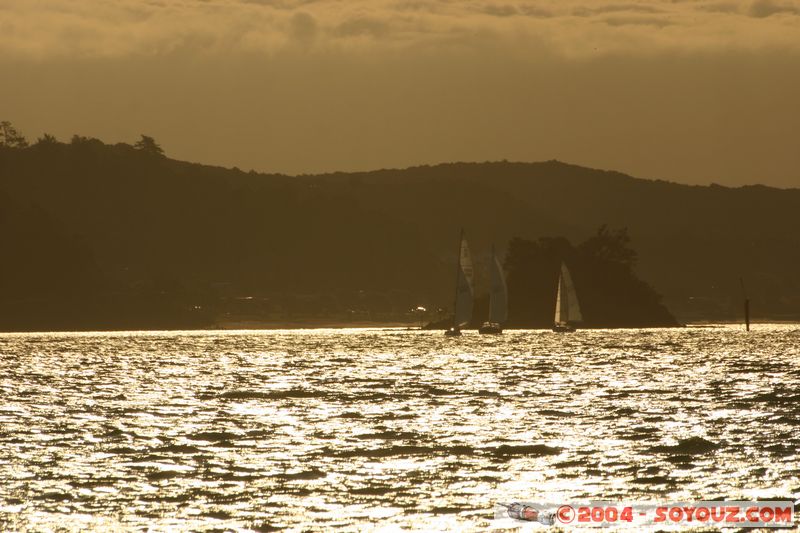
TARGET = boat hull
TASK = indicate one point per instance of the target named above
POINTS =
(452, 332)
(490, 328)
(563, 328)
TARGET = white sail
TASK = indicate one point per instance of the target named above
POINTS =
(498, 294)
(560, 311)
(572, 297)
(464, 284)
(567, 308)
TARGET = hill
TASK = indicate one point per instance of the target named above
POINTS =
(98, 235)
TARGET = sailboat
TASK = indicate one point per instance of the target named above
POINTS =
(498, 299)
(464, 277)
(568, 311)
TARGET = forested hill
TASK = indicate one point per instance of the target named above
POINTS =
(125, 237)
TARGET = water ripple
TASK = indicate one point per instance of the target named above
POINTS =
(314, 429)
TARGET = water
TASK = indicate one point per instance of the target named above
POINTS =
(365, 429)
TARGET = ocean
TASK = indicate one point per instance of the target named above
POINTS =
(365, 429)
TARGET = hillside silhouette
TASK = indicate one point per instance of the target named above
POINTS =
(108, 236)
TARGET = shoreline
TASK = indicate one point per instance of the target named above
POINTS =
(309, 324)
(255, 325)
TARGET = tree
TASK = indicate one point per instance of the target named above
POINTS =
(79, 139)
(86, 142)
(9, 136)
(149, 145)
(46, 139)
(609, 245)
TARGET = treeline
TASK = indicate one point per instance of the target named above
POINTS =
(51, 276)
(120, 236)
(99, 235)
(11, 137)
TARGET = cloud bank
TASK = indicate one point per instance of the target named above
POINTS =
(689, 90)
(573, 28)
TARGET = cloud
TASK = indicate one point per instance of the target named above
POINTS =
(637, 21)
(599, 9)
(767, 8)
(369, 26)
(720, 7)
(304, 27)
(119, 28)
(500, 10)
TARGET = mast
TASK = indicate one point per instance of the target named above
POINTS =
(746, 306)
(492, 302)
(558, 318)
(498, 292)
(458, 273)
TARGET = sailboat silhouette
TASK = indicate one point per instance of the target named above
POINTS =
(568, 311)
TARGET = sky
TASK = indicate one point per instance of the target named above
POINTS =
(684, 90)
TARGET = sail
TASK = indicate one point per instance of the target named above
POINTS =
(498, 293)
(561, 311)
(573, 309)
(463, 311)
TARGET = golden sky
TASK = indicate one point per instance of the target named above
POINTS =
(686, 90)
